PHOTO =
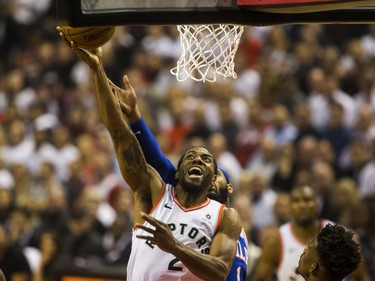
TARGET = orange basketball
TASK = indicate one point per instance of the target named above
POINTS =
(89, 37)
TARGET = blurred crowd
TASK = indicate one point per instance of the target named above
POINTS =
(300, 112)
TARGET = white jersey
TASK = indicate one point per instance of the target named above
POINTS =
(291, 250)
(195, 227)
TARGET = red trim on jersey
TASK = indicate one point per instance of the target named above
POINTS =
(156, 203)
(159, 198)
(193, 208)
(220, 217)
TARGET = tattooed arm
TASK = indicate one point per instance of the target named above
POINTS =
(143, 180)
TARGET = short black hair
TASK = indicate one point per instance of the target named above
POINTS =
(183, 155)
(337, 251)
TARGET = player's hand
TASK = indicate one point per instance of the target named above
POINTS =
(127, 99)
(91, 58)
(161, 236)
(126, 96)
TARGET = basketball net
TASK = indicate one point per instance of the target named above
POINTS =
(208, 51)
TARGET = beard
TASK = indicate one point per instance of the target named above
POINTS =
(221, 196)
(195, 187)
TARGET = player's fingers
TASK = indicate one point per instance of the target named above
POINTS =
(145, 228)
(144, 237)
(150, 219)
(127, 84)
(63, 36)
(98, 51)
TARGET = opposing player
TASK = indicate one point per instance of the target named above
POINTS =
(281, 253)
(220, 192)
(179, 233)
(331, 256)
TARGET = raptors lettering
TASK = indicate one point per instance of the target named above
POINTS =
(185, 230)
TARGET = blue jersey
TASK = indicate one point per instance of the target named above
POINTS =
(155, 157)
(238, 271)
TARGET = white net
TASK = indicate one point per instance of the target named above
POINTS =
(208, 51)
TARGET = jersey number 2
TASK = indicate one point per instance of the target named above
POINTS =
(172, 266)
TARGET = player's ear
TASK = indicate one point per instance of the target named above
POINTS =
(230, 188)
(176, 175)
(314, 269)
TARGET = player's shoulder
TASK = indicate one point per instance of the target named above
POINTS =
(231, 213)
(231, 218)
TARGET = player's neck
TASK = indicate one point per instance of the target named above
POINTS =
(188, 200)
(306, 233)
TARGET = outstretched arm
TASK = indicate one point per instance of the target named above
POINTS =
(144, 181)
(153, 154)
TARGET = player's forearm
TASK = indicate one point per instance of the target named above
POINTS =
(204, 266)
(154, 156)
(128, 152)
(108, 105)
(135, 116)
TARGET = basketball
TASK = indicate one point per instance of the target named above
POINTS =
(89, 37)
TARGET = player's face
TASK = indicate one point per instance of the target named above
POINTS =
(308, 260)
(196, 170)
(303, 205)
(220, 189)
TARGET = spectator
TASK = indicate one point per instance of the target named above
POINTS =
(336, 132)
(363, 225)
(217, 144)
(264, 157)
(249, 137)
(51, 258)
(283, 130)
(19, 146)
(7, 194)
(12, 260)
(344, 200)
(66, 152)
(263, 199)
(116, 241)
(358, 158)
(284, 176)
(323, 179)
(366, 176)
(364, 127)
(303, 121)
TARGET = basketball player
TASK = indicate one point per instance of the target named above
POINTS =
(331, 256)
(220, 192)
(281, 253)
(179, 234)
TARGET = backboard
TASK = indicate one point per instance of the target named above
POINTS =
(82, 13)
